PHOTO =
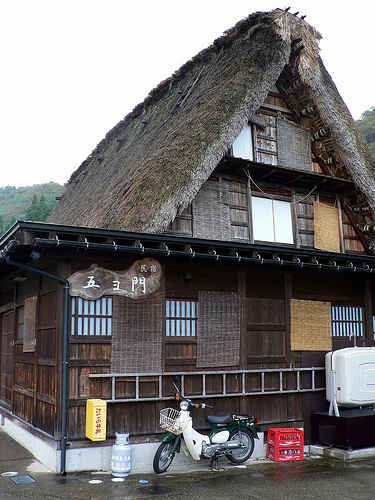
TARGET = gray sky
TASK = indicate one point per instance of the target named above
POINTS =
(72, 69)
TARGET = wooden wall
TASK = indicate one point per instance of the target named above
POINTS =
(31, 385)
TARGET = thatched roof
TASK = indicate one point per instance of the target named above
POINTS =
(153, 162)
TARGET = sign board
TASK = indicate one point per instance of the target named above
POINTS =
(96, 419)
(139, 280)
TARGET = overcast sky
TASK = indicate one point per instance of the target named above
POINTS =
(72, 69)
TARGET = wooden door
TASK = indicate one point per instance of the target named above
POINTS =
(6, 359)
(46, 362)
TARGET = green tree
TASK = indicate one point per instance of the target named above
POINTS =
(39, 210)
(10, 223)
(31, 212)
(14, 202)
(366, 125)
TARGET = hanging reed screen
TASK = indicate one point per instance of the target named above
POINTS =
(293, 145)
(219, 323)
(326, 228)
(30, 324)
(310, 325)
(211, 214)
(137, 334)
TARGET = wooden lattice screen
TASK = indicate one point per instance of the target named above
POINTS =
(137, 334)
(30, 324)
(310, 325)
(326, 228)
(211, 214)
(219, 323)
(293, 145)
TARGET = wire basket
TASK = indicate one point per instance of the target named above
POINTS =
(170, 421)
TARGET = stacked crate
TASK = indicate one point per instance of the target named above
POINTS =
(285, 444)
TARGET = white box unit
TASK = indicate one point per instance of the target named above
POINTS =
(354, 376)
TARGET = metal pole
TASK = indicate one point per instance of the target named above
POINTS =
(65, 360)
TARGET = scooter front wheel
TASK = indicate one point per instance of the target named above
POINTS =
(163, 457)
(240, 455)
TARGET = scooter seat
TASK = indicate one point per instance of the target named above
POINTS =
(219, 418)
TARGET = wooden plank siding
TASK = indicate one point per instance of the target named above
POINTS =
(35, 373)
(265, 344)
(239, 205)
(7, 350)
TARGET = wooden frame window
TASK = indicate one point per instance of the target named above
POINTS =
(181, 318)
(243, 146)
(91, 318)
(347, 320)
(272, 220)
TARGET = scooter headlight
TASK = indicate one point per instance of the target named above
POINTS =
(184, 405)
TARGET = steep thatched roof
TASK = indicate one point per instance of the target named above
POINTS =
(153, 162)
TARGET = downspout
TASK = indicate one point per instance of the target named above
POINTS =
(64, 409)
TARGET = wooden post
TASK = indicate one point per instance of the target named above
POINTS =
(288, 297)
(369, 331)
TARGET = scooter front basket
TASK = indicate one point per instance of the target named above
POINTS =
(170, 420)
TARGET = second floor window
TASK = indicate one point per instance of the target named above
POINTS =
(243, 145)
(272, 220)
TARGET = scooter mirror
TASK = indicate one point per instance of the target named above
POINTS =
(175, 379)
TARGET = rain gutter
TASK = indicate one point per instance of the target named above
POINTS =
(64, 410)
(306, 259)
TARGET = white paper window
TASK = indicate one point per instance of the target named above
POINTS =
(272, 220)
(243, 145)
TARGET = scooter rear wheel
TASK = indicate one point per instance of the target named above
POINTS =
(163, 457)
(241, 454)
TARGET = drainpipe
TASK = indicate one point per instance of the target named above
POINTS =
(64, 409)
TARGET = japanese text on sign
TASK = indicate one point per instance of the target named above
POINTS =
(141, 279)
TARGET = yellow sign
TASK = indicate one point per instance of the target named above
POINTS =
(96, 419)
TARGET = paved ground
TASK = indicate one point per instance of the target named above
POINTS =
(312, 478)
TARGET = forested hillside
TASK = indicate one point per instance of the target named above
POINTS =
(33, 201)
(366, 125)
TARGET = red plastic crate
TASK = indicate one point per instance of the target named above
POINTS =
(285, 454)
(285, 444)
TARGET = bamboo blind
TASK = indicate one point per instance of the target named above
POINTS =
(219, 324)
(310, 325)
(211, 213)
(30, 325)
(326, 228)
(137, 334)
(293, 145)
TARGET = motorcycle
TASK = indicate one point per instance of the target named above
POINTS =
(231, 436)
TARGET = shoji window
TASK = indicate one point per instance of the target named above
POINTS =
(347, 320)
(181, 318)
(91, 317)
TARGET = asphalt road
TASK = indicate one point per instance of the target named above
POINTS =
(313, 478)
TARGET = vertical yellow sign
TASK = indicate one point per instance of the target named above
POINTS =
(96, 419)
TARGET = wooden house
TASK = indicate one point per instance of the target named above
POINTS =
(223, 231)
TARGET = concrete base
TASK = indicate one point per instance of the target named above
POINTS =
(98, 458)
(343, 455)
